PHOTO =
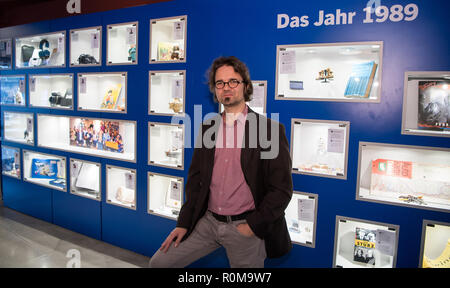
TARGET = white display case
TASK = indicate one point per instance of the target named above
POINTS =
(435, 245)
(330, 72)
(41, 51)
(166, 145)
(85, 179)
(167, 90)
(122, 44)
(364, 244)
(121, 186)
(51, 90)
(168, 39)
(259, 98)
(86, 46)
(301, 218)
(18, 127)
(115, 139)
(105, 92)
(45, 169)
(165, 195)
(5, 54)
(12, 90)
(426, 103)
(320, 147)
(11, 161)
(412, 176)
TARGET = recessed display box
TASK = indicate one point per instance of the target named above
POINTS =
(86, 46)
(320, 147)
(41, 51)
(115, 139)
(426, 103)
(364, 244)
(121, 186)
(5, 54)
(11, 161)
(166, 145)
(45, 169)
(12, 90)
(165, 195)
(259, 98)
(168, 39)
(122, 44)
(105, 92)
(85, 179)
(301, 218)
(412, 176)
(167, 91)
(348, 72)
(51, 90)
(18, 127)
(435, 245)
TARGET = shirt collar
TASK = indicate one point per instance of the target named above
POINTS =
(241, 117)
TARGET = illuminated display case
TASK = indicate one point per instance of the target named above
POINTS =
(51, 90)
(41, 51)
(11, 161)
(168, 39)
(166, 145)
(165, 195)
(85, 179)
(5, 54)
(121, 186)
(18, 127)
(12, 90)
(45, 169)
(435, 245)
(122, 43)
(86, 46)
(167, 91)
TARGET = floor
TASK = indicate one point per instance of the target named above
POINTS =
(27, 242)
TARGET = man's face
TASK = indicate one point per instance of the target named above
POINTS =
(229, 96)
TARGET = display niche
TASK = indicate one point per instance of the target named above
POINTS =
(426, 103)
(166, 145)
(41, 51)
(5, 54)
(435, 245)
(412, 176)
(301, 216)
(18, 127)
(258, 99)
(364, 244)
(44, 169)
(12, 90)
(121, 186)
(165, 195)
(168, 39)
(122, 43)
(85, 179)
(329, 72)
(86, 46)
(11, 161)
(166, 92)
(51, 90)
(115, 139)
(105, 92)
(320, 147)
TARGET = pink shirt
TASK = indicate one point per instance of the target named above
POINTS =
(229, 192)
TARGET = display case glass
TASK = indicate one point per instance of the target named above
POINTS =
(364, 244)
(121, 186)
(45, 169)
(108, 138)
(85, 179)
(122, 43)
(44, 50)
(426, 103)
(105, 92)
(168, 39)
(166, 92)
(329, 72)
(18, 127)
(5, 54)
(11, 161)
(320, 147)
(258, 101)
(86, 46)
(12, 90)
(166, 145)
(435, 245)
(51, 90)
(165, 195)
(412, 176)
(301, 216)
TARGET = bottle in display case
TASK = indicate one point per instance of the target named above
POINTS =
(122, 43)
(165, 195)
(168, 39)
(41, 51)
(86, 46)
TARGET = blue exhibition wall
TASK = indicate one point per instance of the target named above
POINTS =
(248, 30)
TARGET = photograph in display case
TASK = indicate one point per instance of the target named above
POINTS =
(413, 176)
(18, 127)
(168, 39)
(51, 90)
(166, 92)
(166, 145)
(11, 161)
(96, 134)
(121, 186)
(85, 178)
(122, 43)
(329, 72)
(165, 195)
(44, 50)
(435, 245)
(86, 46)
(12, 90)
(44, 169)
(258, 100)
(301, 215)
(364, 244)
(5, 54)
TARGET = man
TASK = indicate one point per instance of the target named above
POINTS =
(236, 190)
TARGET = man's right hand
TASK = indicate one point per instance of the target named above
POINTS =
(178, 234)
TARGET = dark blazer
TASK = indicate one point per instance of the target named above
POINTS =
(270, 180)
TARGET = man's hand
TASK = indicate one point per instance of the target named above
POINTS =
(245, 230)
(177, 233)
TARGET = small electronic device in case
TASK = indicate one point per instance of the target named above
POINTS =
(296, 85)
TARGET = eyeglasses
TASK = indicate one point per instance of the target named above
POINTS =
(232, 83)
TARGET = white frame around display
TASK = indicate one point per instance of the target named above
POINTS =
(23, 90)
(108, 28)
(181, 73)
(158, 212)
(117, 202)
(86, 29)
(261, 83)
(30, 133)
(153, 163)
(154, 49)
(393, 149)
(20, 161)
(6, 40)
(434, 246)
(73, 190)
(34, 76)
